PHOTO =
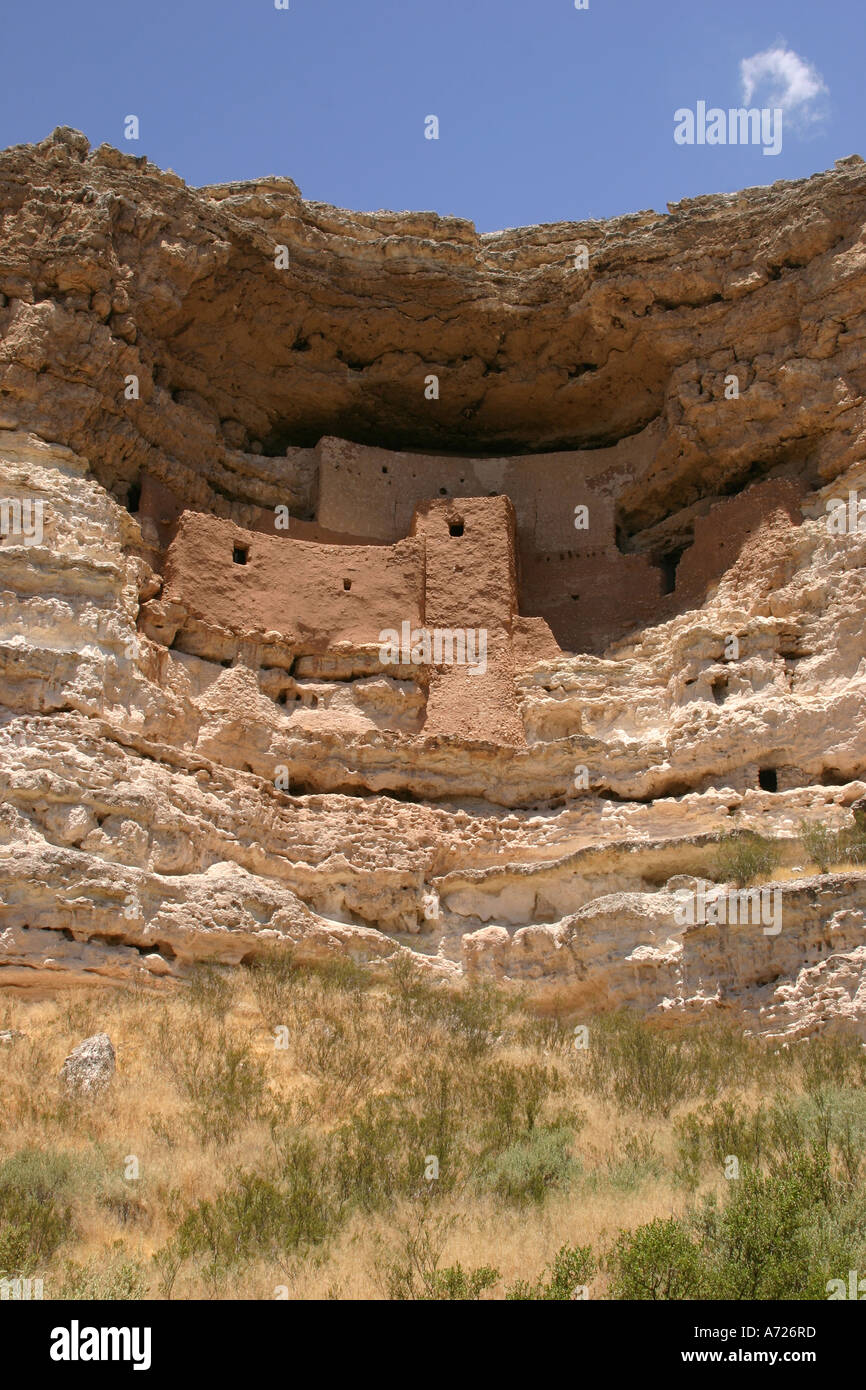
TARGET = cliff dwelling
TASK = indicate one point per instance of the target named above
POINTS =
(538, 575)
(300, 655)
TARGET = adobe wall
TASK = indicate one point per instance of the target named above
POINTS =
(593, 594)
(433, 580)
(722, 533)
(314, 595)
(375, 493)
(372, 493)
(590, 600)
(471, 582)
(575, 582)
(471, 578)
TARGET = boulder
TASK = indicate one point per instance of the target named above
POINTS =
(89, 1067)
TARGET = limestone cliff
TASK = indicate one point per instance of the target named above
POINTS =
(242, 436)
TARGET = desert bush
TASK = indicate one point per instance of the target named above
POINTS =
(643, 1068)
(416, 1273)
(256, 1217)
(716, 1131)
(852, 844)
(571, 1270)
(767, 1242)
(743, 856)
(473, 1016)
(30, 1231)
(212, 989)
(831, 1060)
(633, 1163)
(452, 1282)
(776, 1235)
(380, 1154)
(531, 1168)
(223, 1084)
(36, 1188)
(273, 977)
(112, 1275)
(512, 1095)
(826, 848)
(721, 1057)
(657, 1261)
(338, 1044)
(820, 843)
(548, 1034)
(344, 975)
(830, 1123)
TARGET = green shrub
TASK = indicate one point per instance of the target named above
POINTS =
(716, 1131)
(274, 977)
(570, 1271)
(657, 1261)
(852, 843)
(257, 1217)
(336, 1048)
(380, 1154)
(212, 989)
(820, 844)
(636, 1163)
(826, 847)
(643, 1067)
(416, 1275)
(35, 1208)
(832, 1060)
(343, 974)
(512, 1096)
(743, 856)
(454, 1282)
(220, 1079)
(528, 1170)
(111, 1275)
(30, 1231)
(776, 1235)
(765, 1243)
(473, 1015)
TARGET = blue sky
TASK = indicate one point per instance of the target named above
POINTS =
(546, 113)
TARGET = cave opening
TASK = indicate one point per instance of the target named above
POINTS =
(832, 777)
(719, 688)
(768, 779)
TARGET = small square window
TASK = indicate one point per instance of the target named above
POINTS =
(456, 528)
(347, 584)
(240, 554)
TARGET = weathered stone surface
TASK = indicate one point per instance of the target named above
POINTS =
(534, 824)
(89, 1068)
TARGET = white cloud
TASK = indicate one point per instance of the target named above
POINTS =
(782, 78)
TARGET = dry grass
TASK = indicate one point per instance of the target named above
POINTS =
(537, 1146)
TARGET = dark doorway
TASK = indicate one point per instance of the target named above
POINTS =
(667, 563)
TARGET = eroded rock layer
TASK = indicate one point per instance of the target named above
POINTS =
(226, 475)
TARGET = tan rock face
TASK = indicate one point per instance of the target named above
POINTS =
(222, 485)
